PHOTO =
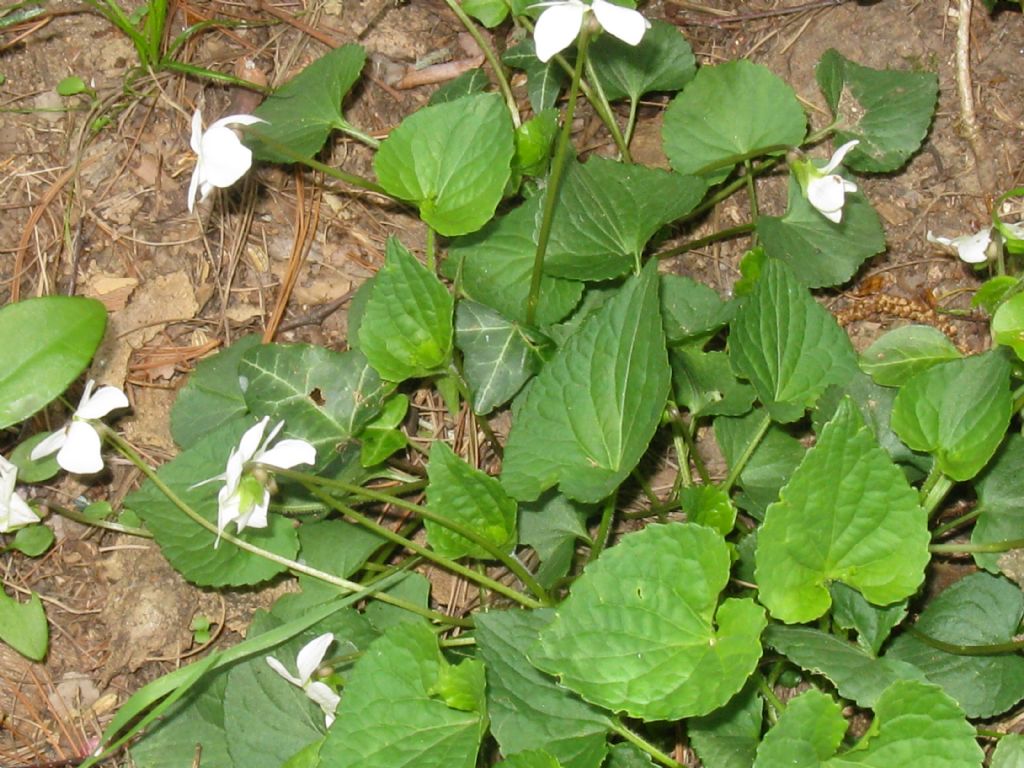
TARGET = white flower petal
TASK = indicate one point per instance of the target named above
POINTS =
(81, 452)
(287, 453)
(624, 23)
(326, 698)
(193, 186)
(17, 513)
(237, 120)
(838, 155)
(102, 402)
(51, 444)
(256, 516)
(197, 131)
(312, 654)
(225, 158)
(8, 477)
(828, 194)
(557, 28)
(250, 442)
(278, 667)
(970, 248)
(938, 239)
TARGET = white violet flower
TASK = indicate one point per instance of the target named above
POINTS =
(222, 158)
(14, 511)
(970, 248)
(77, 444)
(245, 497)
(825, 189)
(308, 660)
(560, 23)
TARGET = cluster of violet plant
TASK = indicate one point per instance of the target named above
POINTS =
(540, 294)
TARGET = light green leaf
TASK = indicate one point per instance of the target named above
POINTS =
(471, 498)
(643, 631)
(534, 758)
(899, 354)
(915, 724)
(993, 291)
(336, 546)
(490, 13)
(592, 411)
(856, 675)
(528, 709)
(495, 265)
(33, 540)
(607, 211)
(820, 252)
(30, 471)
(1008, 324)
(23, 626)
(301, 114)
(382, 437)
(534, 142)
(188, 546)
(1000, 489)
(387, 719)
(787, 345)
(497, 357)
(692, 311)
(406, 329)
(728, 737)
(958, 411)
(888, 111)
(60, 335)
(212, 396)
(871, 623)
(980, 609)
(1009, 752)
(452, 160)
(847, 514)
(736, 108)
(663, 61)
(708, 505)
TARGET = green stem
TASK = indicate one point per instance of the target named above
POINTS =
(603, 528)
(181, 68)
(359, 135)
(604, 109)
(752, 194)
(714, 237)
(992, 649)
(934, 490)
(766, 690)
(412, 546)
(349, 586)
(954, 524)
(431, 249)
(492, 59)
(986, 546)
(641, 743)
(627, 138)
(743, 157)
(646, 488)
(741, 462)
(555, 182)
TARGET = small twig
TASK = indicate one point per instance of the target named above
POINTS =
(965, 90)
(742, 17)
(319, 313)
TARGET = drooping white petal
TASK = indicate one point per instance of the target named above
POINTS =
(326, 698)
(237, 120)
(50, 444)
(102, 402)
(287, 453)
(838, 155)
(81, 452)
(193, 186)
(312, 654)
(624, 23)
(197, 131)
(278, 667)
(256, 515)
(972, 249)
(828, 194)
(557, 28)
(250, 442)
(14, 510)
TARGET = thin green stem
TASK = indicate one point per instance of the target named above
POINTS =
(751, 191)
(741, 461)
(603, 528)
(181, 68)
(431, 249)
(604, 108)
(358, 134)
(982, 546)
(743, 157)
(954, 524)
(555, 182)
(129, 453)
(992, 649)
(766, 690)
(627, 138)
(492, 58)
(714, 237)
(645, 487)
(641, 743)
(934, 490)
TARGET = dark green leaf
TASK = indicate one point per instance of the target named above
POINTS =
(23, 626)
(662, 62)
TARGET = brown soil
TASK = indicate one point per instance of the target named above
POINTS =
(102, 213)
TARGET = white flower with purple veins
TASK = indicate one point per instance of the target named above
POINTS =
(560, 24)
(77, 444)
(308, 660)
(970, 248)
(14, 511)
(245, 497)
(222, 158)
(826, 190)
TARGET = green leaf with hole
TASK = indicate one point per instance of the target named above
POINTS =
(663, 61)
(736, 108)
(871, 623)
(643, 631)
(470, 498)
(900, 353)
(452, 160)
(387, 719)
(60, 334)
(915, 724)
(847, 514)
(23, 626)
(980, 609)
(607, 211)
(592, 411)
(497, 357)
(528, 709)
(303, 112)
(887, 111)
(496, 263)
(856, 674)
(406, 329)
(787, 345)
(213, 394)
(1000, 489)
(958, 411)
(820, 252)
(704, 384)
